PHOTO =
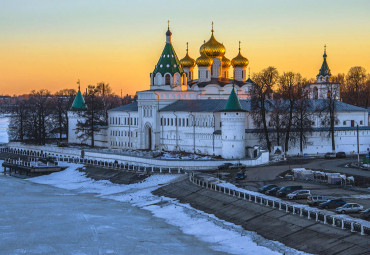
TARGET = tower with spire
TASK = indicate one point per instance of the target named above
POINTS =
(323, 87)
(168, 74)
(324, 72)
(240, 64)
(214, 50)
(188, 64)
(74, 115)
(233, 128)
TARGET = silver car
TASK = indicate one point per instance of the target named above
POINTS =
(299, 194)
(350, 208)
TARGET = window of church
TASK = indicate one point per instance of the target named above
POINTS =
(187, 122)
(206, 74)
(171, 122)
(168, 79)
(361, 122)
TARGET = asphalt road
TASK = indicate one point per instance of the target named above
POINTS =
(269, 172)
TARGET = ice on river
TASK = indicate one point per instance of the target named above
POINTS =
(4, 129)
(195, 227)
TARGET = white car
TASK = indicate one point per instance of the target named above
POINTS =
(299, 194)
(350, 208)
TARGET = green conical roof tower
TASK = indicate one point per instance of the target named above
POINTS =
(168, 62)
(233, 104)
(79, 102)
(324, 70)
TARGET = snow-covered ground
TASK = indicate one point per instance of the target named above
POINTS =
(217, 234)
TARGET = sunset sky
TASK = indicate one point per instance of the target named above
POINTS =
(53, 43)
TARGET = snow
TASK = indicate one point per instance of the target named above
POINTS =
(222, 236)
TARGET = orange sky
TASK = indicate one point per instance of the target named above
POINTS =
(53, 44)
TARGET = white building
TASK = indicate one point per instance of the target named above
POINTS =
(205, 116)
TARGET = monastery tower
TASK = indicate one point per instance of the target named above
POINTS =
(233, 128)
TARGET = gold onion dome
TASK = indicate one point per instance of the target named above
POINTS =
(187, 61)
(213, 48)
(225, 62)
(203, 60)
(239, 60)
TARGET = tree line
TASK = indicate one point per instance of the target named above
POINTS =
(42, 115)
(283, 113)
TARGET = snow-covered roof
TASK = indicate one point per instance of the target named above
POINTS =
(126, 108)
(214, 105)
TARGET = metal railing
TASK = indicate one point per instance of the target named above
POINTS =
(317, 215)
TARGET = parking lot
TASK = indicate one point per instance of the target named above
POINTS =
(257, 177)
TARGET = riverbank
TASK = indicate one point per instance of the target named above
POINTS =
(272, 224)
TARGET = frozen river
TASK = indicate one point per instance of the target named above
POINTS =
(67, 213)
(4, 129)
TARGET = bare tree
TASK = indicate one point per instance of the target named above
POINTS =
(62, 100)
(261, 89)
(329, 112)
(93, 118)
(355, 84)
(288, 88)
(304, 109)
(16, 130)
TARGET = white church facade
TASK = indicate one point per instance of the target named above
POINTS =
(211, 115)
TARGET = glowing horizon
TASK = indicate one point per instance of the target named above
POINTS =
(53, 44)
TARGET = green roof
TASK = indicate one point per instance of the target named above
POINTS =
(233, 103)
(78, 103)
(324, 70)
(168, 62)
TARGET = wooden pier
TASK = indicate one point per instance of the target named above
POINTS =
(29, 168)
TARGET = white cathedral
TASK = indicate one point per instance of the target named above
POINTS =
(211, 115)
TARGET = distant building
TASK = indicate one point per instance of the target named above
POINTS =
(211, 115)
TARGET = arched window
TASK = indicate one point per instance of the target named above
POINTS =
(206, 74)
(168, 79)
(242, 74)
(315, 93)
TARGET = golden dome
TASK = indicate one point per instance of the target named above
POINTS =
(187, 61)
(213, 48)
(239, 60)
(225, 62)
(203, 60)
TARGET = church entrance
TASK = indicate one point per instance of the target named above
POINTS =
(148, 137)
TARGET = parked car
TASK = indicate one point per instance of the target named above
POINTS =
(341, 154)
(299, 194)
(267, 187)
(316, 200)
(330, 155)
(273, 191)
(332, 203)
(350, 208)
(237, 166)
(365, 214)
(288, 189)
(225, 166)
(240, 176)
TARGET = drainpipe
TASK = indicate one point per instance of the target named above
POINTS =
(191, 114)
(159, 117)
(176, 124)
(213, 134)
(129, 129)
